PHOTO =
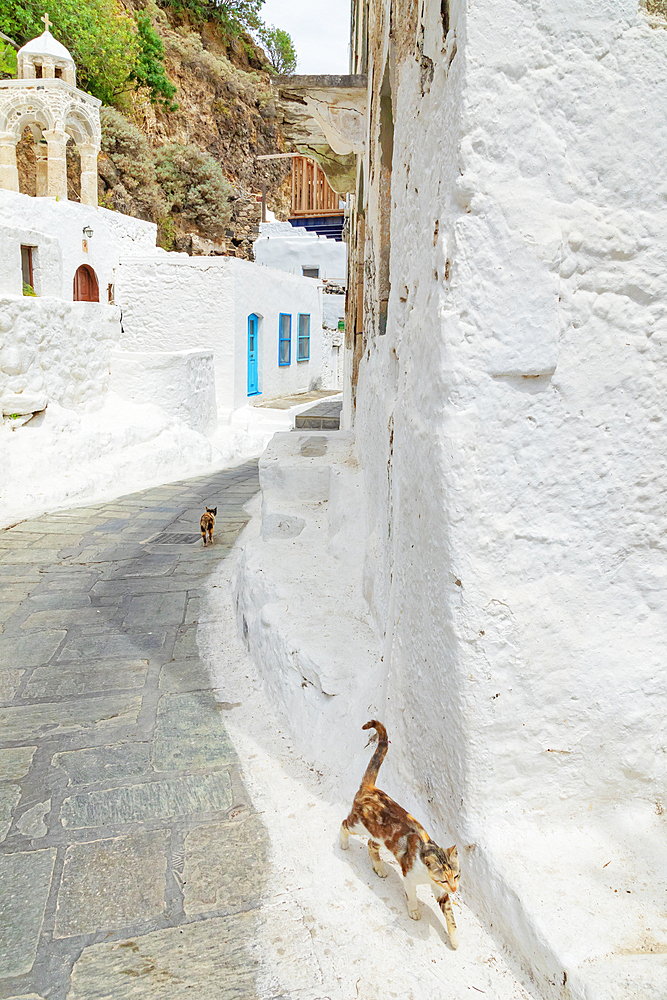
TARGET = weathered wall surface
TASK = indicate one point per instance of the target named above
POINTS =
(55, 229)
(56, 350)
(289, 248)
(182, 383)
(510, 430)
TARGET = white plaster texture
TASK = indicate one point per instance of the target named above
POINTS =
(56, 350)
(182, 383)
(55, 230)
(203, 303)
(509, 429)
(290, 248)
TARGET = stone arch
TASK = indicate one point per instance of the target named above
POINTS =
(80, 127)
(85, 287)
(23, 112)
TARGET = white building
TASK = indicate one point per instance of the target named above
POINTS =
(87, 300)
(301, 251)
(505, 377)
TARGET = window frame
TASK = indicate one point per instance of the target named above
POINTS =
(29, 256)
(284, 340)
(300, 356)
(310, 267)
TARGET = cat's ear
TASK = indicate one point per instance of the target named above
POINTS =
(452, 852)
(215, 510)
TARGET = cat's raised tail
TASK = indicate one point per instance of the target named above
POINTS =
(371, 773)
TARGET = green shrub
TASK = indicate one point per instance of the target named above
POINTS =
(149, 68)
(128, 149)
(194, 184)
(29, 290)
(234, 15)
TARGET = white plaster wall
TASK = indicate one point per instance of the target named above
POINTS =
(175, 302)
(510, 426)
(289, 248)
(172, 302)
(182, 383)
(530, 489)
(57, 350)
(56, 229)
(267, 292)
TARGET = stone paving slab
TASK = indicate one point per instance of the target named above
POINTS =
(102, 763)
(113, 750)
(112, 883)
(223, 958)
(168, 799)
(30, 721)
(25, 880)
(15, 762)
(84, 678)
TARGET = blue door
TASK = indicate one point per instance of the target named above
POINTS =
(253, 372)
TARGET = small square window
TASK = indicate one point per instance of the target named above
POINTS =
(38, 71)
(285, 343)
(303, 348)
(310, 271)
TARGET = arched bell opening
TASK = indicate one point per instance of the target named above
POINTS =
(73, 171)
(86, 287)
(26, 162)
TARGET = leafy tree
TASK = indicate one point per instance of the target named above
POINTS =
(101, 37)
(149, 67)
(111, 49)
(234, 15)
(7, 61)
(279, 48)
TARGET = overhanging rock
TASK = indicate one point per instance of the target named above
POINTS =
(325, 117)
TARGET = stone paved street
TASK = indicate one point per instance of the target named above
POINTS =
(130, 855)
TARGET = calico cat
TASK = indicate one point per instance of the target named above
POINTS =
(207, 522)
(421, 860)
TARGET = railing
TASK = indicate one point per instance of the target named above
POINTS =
(311, 192)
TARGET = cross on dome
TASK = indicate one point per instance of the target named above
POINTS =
(46, 21)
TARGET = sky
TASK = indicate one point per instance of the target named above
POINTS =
(320, 30)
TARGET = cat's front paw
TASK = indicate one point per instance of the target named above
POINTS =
(380, 872)
(454, 940)
(415, 914)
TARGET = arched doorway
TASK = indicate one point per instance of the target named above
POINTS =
(86, 288)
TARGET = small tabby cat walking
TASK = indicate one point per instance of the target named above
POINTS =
(206, 524)
(421, 860)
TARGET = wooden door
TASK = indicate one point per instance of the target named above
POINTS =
(86, 288)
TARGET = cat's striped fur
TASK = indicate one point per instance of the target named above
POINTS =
(421, 860)
(206, 524)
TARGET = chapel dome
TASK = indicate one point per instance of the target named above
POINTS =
(43, 56)
(46, 45)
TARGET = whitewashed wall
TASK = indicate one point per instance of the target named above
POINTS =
(289, 248)
(511, 428)
(267, 293)
(174, 302)
(54, 350)
(56, 229)
(182, 383)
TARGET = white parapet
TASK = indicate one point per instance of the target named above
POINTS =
(181, 382)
